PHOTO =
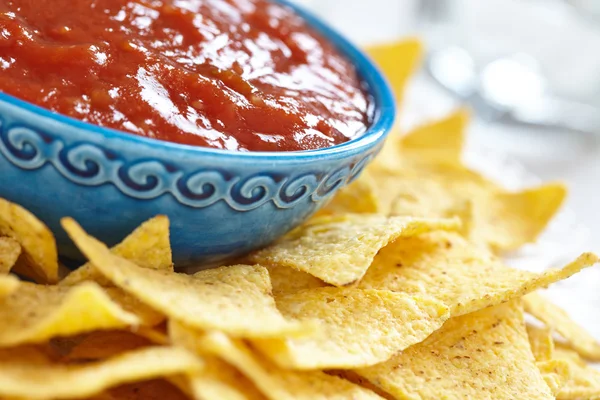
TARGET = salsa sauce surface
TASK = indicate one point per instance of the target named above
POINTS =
(245, 75)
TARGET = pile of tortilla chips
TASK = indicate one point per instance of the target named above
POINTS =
(396, 290)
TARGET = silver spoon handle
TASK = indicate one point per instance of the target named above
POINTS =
(557, 112)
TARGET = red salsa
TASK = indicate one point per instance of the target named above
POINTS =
(246, 75)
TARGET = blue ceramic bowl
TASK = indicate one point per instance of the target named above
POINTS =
(220, 203)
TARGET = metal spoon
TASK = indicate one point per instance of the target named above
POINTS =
(509, 90)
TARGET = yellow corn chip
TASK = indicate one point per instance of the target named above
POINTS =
(466, 278)
(340, 250)
(205, 300)
(275, 383)
(485, 354)
(10, 250)
(39, 381)
(8, 285)
(37, 242)
(287, 280)
(397, 60)
(440, 140)
(358, 197)
(36, 313)
(541, 342)
(219, 381)
(556, 374)
(585, 379)
(359, 328)
(435, 190)
(506, 221)
(558, 320)
(148, 247)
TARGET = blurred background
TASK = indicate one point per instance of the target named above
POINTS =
(529, 70)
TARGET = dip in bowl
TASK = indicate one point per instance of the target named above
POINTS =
(238, 119)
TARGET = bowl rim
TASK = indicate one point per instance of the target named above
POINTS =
(384, 112)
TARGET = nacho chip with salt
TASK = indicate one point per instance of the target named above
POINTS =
(358, 328)
(47, 381)
(275, 383)
(148, 247)
(234, 299)
(466, 278)
(40, 259)
(10, 250)
(36, 313)
(339, 250)
(506, 221)
(585, 379)
(559, 321)
(485, 354)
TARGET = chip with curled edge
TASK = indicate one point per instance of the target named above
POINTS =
(204, 300)
(465, 277)
(148, 247)
(339, 250)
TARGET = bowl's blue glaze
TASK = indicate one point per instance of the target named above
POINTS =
(220, 203)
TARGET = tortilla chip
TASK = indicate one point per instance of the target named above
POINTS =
(556, 374)
(275, 383)
(358, 197)
(287, 280)
(219, 380)
(10, 250)
(8, 285)
(148, 247)
(485, 354)
(359, 328)
(542, 345)
(466, 278)
(440, 140)
(429, 190)
(559, 321)
(36, 313)
(105, 344)
(339, 250)
(204, 300)
(397, 60)
(40, 259)
(39, 381)
(506, 221)
(585, 379)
